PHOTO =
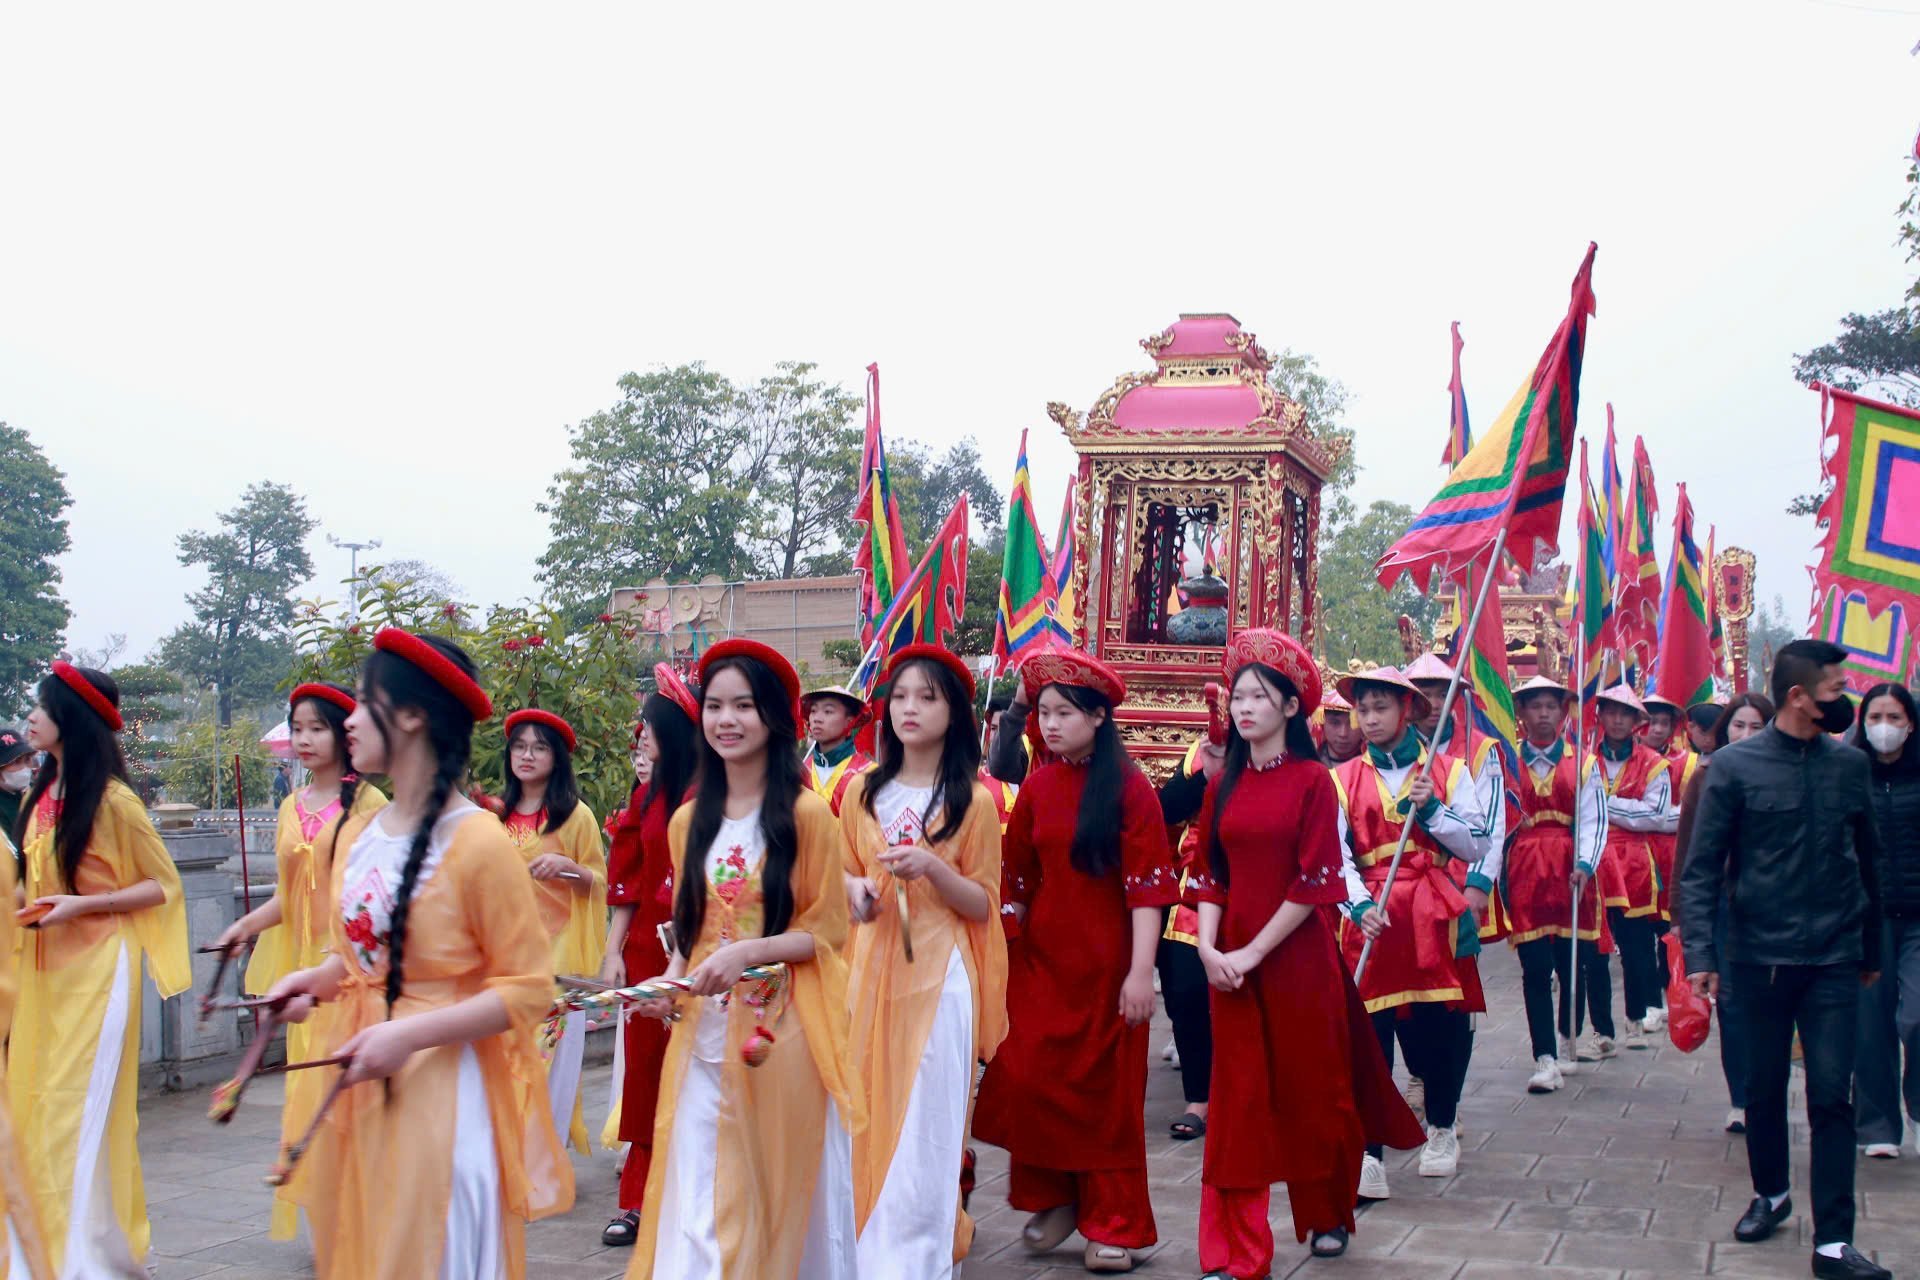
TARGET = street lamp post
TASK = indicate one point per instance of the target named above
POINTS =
(353, 550)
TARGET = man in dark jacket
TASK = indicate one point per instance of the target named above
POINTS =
(1786, 831)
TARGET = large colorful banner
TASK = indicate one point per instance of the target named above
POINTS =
(1866, 587)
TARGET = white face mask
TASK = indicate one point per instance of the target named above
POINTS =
(1886, 736)
(22, 778)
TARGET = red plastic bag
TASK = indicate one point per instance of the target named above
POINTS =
(1688, 1016)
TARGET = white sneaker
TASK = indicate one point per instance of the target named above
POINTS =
(1655, 1020)
(1636, 1037)
(1546, 1076)
(1882, 1150)
(1416, 1094)
(1373, 1179)
(1440, 1158)
(1171, 1054)
(1569, 1059)
(1597, 1048)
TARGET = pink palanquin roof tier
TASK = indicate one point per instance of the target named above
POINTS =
(1208, 384)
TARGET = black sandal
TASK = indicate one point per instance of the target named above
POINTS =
(1329, 1244)
(1188, 1127)
(622, 1230)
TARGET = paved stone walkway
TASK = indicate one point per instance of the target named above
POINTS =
(1626, 1173)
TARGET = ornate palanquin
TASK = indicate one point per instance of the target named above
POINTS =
(1532, 616)
(1194, 469)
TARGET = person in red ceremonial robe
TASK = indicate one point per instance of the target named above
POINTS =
(1640, 805)
(1481, 755)
(1414, 972)
(832, 718)
(640, 891)
(1340, 739)
(1546, 862)
(1302, 1086)
(1088, 858)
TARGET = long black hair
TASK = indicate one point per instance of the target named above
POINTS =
(1299, 745)
(334, 716)
(401, 684)
(959, 753)
(90, 758)
(777, 828)
(1723, 727)
(563, 792)
(1900, 694)
(678, 741)
(1096, 848)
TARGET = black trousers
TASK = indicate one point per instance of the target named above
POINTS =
(1543, 959)
(1183, 986)
(1439, 1045)
(1823, 1001)
(1639, 976)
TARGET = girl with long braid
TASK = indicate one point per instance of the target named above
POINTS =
(752, 1173)
(292, 924)
(106, 896)
(439, 972)
(560, 839)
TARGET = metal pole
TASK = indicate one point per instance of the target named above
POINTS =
(1426, 765)
(986, 710)
(1579, 738)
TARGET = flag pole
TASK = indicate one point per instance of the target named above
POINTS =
(1579, 759)
(1426, 766)
(986, 709)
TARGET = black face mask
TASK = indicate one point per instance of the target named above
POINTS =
(1836, 716)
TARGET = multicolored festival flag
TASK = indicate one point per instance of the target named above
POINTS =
(1514, 479)
(928, 606)
(1459, 431)
(1684, 672)
(881, 557)
(1613, 512)
(1066, 607)
(1867, 584)
(1879, 647)
(1486, 658)
(1637, 598)
(1593, 586)
(1023, 622)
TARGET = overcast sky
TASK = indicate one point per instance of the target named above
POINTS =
(387, 253)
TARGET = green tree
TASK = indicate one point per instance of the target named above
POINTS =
(196, 765)
(240, 640)
(803, 459)
(33, 534)
(1357, 618)
(1297, 375)
(653, 489)
(926, 489)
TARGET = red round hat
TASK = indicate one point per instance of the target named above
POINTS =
(1070, 666)
(327, 693)
(931, 653)
(667, 682)
(407, 646)
(741, 647)
(1280, 651)
(100, 703)
(533, 715)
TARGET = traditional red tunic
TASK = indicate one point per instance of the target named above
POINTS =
(1680, 767)
(1629, 874)
(1299, 1087)
(832, 786)
(1004, 794)
(640, 875)
(1537, 886)
(1067, 1090)
(1415, 960)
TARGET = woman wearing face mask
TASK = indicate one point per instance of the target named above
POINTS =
(1890, 1008)
(16, 775)
(108, 896)
(1739, 720)
(1087, 859)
